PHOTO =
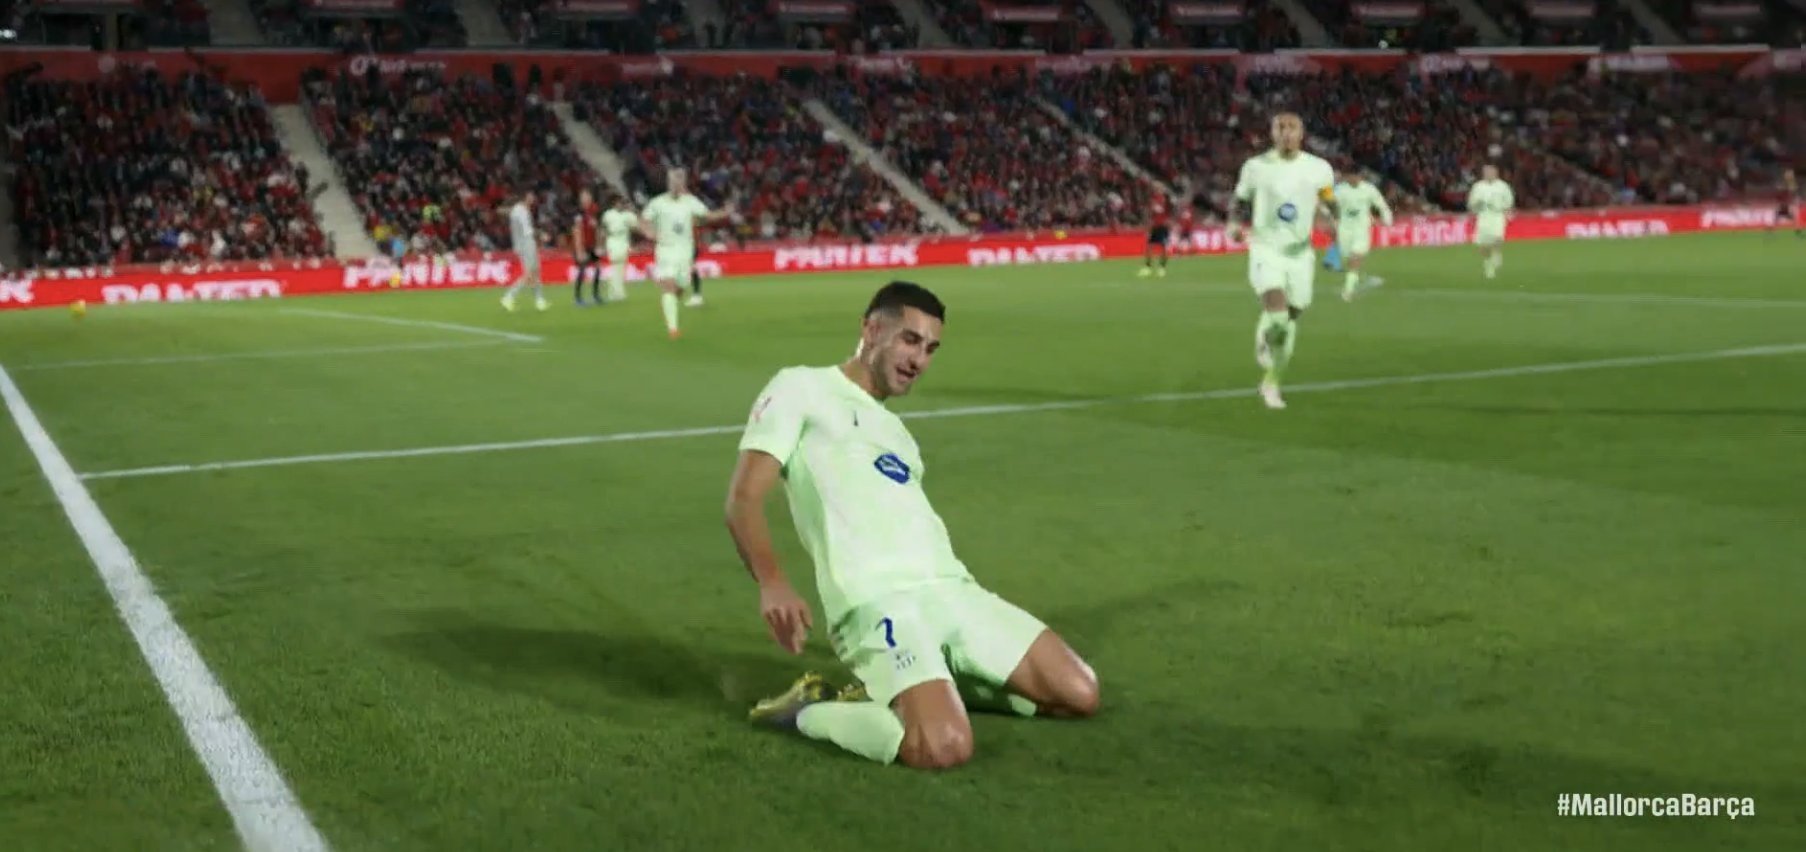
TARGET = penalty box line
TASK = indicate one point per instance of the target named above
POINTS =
(971, 411)
(265, 812)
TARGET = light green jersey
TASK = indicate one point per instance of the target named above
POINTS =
(1489, 201)
(1285, 195)
(1355, 204)
(673, 219)
(853, 475)
(618, 225)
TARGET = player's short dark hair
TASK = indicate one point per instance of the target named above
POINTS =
(892, 298)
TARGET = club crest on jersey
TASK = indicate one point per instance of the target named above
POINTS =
(1288, 212)
(893, 468)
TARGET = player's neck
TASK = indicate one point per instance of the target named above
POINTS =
(1288, 155)
(860, 374)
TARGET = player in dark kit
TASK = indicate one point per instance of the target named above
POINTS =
(1788, 196)
(1159, 231)
(584, 249)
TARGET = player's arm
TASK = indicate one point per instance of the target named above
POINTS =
(647, 223)
(771, 437)
(1244, 195)
(1510, 202)
(1326, 196)
(1473, 200)
(577, 236)
(1379, 203)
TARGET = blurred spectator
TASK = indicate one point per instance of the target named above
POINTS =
(136, 168)
(1260, 27)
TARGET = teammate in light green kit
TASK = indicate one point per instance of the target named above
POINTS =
(1356, 199)
(617, 228)
(670, 221)
(924, 638)
(1491, 201)
(1284, 186)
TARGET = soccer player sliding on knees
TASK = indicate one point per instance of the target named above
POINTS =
(925, 640)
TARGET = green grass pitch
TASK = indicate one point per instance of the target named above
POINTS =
(1401, 615)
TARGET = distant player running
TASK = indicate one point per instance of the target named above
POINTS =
(927, 641)
(670, 221)
(1284, 187)
(618, 225)
(1788, 196)
(1356, 199)
(524, 236)
(1491, 202)
(1159, 234)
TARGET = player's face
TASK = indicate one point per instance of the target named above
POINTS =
(585, 198)
(1288, 133)
(674, 182)
(900, 349)
(1490, 173)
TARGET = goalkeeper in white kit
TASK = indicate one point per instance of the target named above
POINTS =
(1491, 202)
(1356, 199)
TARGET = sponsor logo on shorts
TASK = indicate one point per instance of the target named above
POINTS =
(893, 468)
(903, 659)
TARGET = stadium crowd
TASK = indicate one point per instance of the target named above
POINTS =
(1259, 26)
(987, 151)
(138, 168)
(434, 162)
(745, 139)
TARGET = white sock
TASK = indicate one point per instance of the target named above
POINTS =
(669, 302)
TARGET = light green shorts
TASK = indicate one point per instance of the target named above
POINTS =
(938, 632)
(1296, 274)
(671, 265)
(1489, 233)
(1355, 242)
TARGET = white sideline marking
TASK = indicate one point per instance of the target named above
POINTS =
(970, 411)
(264, 810)
(267, 353)
(416, 323)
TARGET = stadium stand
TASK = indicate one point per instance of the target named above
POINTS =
(415, 143)
(868, 27)
(1670, 138)
(984, 149)
(1734, 21)
(411, 25)
(1568, 23)
(1186, 126)
(1427, 27)
(656, 25)
(149, 23)
(1018, 25)
(1255, 25)
(138, 168)
(745, 138)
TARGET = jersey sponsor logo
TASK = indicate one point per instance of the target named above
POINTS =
(759, 409)
(893, 468)
(1288, 212)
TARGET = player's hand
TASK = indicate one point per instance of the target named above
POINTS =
(787, 614)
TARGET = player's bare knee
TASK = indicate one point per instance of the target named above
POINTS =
(944, 747)
(1080, 694)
